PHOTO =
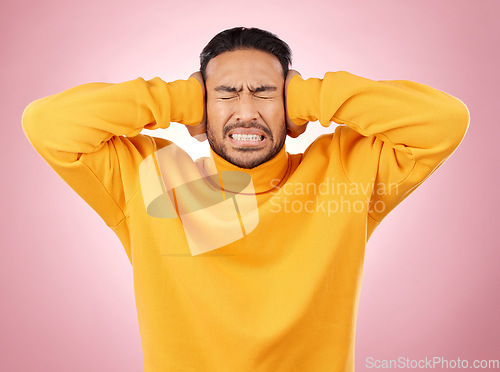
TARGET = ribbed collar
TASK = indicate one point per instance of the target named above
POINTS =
(265, 177)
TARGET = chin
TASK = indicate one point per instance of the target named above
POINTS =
(245, 157)
(249, 158)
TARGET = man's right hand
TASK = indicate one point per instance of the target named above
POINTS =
(200, 131)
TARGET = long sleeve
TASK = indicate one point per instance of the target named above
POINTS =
(399, 131)
(89, 134)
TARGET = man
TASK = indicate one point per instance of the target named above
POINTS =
(250, 259)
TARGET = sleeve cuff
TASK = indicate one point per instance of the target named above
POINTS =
(186, 101)
(303, 99)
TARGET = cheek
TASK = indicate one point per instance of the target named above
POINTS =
(217, 115)
(273, 113)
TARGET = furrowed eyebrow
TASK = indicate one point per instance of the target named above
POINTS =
(262, 88)
(225, 88)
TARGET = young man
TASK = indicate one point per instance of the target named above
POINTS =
(250, 259)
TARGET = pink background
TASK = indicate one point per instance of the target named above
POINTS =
(431, 275)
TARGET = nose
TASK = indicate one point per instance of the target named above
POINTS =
(246, 109)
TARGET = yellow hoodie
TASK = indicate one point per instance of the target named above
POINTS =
(236, 269)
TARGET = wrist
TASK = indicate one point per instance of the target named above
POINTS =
(186, 101)
(303, 98)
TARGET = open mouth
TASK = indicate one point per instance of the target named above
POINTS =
(247, 137)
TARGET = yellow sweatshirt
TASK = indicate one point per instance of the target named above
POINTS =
(236, 269)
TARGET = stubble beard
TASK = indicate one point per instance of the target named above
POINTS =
(243, 157)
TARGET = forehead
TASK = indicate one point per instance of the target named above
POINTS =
(243, 66)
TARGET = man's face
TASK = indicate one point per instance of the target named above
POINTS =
(245, 106)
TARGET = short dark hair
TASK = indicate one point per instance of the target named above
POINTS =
(239, 38)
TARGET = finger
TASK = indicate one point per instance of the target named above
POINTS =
(296, 130)
(201, 137)
(197, 131)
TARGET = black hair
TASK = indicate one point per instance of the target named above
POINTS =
(239, 38)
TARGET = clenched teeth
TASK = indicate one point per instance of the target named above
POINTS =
(247, 137)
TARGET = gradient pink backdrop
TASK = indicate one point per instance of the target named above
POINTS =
(431, 275)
